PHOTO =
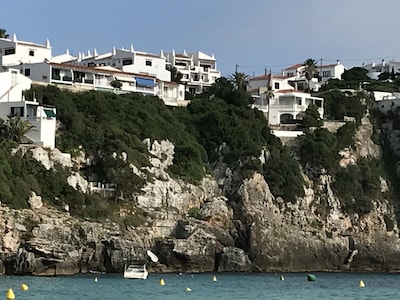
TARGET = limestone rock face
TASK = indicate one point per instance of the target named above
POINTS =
(233, 259)
(292, 237)
(224, 224)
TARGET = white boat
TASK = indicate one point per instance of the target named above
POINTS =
(135, 271)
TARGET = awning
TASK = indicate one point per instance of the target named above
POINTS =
(125, 79)
(145, 82)
(49, 113)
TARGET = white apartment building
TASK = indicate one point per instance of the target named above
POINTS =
(14, 52)
(12, 102)
(199, 70)
(131, 61)
(81, 78)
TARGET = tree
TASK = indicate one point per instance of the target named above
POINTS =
(310, 70)
(356, 73)
(239, 80)
(312, 117)
(176, 76)
(116, 84)
(269, 93)
(3, 34)
(15, 129)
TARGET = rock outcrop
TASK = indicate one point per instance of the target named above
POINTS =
(223, 224)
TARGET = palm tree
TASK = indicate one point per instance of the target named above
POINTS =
(239, 80)
(15, 129)
(269, 93)
(310, 70)
(3, 34)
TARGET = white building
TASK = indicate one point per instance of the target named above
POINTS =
(263, 87)
(131, 61)
(375, 69)
(81, 78)
(280, 101)
(14, 52)
(288, 105)
(326, 72)
(199, 70)
(12, 102)
(331, 71)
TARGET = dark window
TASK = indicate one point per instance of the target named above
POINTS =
(148, 62)
(31, 53)
(9, 51)
(27, 72)
(17, 111)
(127, 61)
(277, 85)
(90, 64)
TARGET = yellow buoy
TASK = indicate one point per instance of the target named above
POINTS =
(188, 289)
(24, 287)
(10, 294)
(214, 278)
(162, 282)
(282, 278)
(361, 284)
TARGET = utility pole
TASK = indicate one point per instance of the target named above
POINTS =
(320, 70)
(236, 68)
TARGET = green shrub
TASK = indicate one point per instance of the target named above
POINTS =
(194, 212)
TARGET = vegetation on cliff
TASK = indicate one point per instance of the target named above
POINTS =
(216, 127)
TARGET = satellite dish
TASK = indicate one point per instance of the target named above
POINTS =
(152, 256)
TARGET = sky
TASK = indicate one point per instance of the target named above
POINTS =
(249, 36)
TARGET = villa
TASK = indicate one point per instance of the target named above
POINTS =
(281, 102)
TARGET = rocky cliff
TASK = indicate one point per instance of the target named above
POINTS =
(197, 228)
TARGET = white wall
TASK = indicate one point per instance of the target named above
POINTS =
(22, 52)
(157, 68)
(12, 84)
(39, 71)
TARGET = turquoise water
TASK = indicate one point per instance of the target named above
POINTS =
(228, 286)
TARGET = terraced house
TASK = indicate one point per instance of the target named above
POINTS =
(120, 70)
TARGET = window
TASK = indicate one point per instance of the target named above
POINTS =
(27, 72)
(17, 111)
(148, 63)
(298, 100)
(9, 51)
(326, 73)
(290, 74)
(276, 85)
(127, 61)
(31, 53)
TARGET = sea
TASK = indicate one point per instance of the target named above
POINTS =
(206, 286)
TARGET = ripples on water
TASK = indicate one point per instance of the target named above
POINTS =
(228, 287)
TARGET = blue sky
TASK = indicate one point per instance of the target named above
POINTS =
(254, 34)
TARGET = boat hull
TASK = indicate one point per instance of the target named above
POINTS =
(135, 272)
